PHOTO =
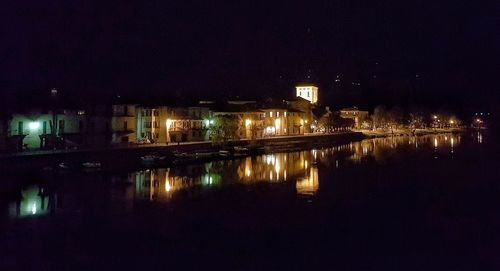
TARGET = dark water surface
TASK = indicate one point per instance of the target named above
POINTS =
(403, 203)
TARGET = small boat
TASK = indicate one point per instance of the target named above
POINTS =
(224, 153)
(91, 165)
(205, 154)
(238, 149)
(65, 165)
(150, 158)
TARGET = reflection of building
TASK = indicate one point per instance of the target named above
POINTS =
(354, 113)
(309, 184)
(33, 201)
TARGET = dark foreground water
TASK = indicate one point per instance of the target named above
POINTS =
(404, 203)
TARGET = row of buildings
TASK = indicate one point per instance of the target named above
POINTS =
(125, 124)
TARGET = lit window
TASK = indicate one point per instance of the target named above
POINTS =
(271, 114)
(284, 113)
(278, 114)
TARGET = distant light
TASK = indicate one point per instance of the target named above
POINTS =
(34, 125)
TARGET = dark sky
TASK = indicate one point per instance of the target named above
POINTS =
(436, 53)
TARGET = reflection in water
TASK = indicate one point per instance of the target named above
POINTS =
(300, 169)
(33, 201)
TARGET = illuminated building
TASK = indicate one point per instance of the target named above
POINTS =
(36, 129)
(123, 124)
(308, 92)
(354, 113)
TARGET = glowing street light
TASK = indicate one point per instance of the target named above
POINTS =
(34, 125)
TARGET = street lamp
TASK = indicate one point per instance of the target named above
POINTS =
(34, 125)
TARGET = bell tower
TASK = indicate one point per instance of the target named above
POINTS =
(308, 92)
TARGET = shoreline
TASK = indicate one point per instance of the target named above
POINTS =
(113, 159)
(408, 132)
(129, 157)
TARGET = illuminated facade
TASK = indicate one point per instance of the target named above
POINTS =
(164, 124)
(354, 113)
(37, 129)
(308, 92)
(123, 124)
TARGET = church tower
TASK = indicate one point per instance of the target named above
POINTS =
(308, 92)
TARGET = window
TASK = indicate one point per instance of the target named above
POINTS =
(147, 124)
(308, 94)
(300, 93)
(80, 126)
(156, 113)
(284, 114)
(44, 127)
(125, 110)
(271, 114)
(20, 128)
(278, 114)
(61, 126)
(125, 126)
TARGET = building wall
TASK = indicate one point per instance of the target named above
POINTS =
(307, 115)
(296, 123)
(123, 124)
(32, 129)
(275, 122)
(308, 92)
(152, 122)
(357, 115)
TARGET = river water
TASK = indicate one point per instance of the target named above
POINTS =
(415, 203)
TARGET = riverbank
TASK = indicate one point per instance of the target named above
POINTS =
(129, 156)
(403, 132)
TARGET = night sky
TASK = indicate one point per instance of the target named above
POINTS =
(433, 53)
